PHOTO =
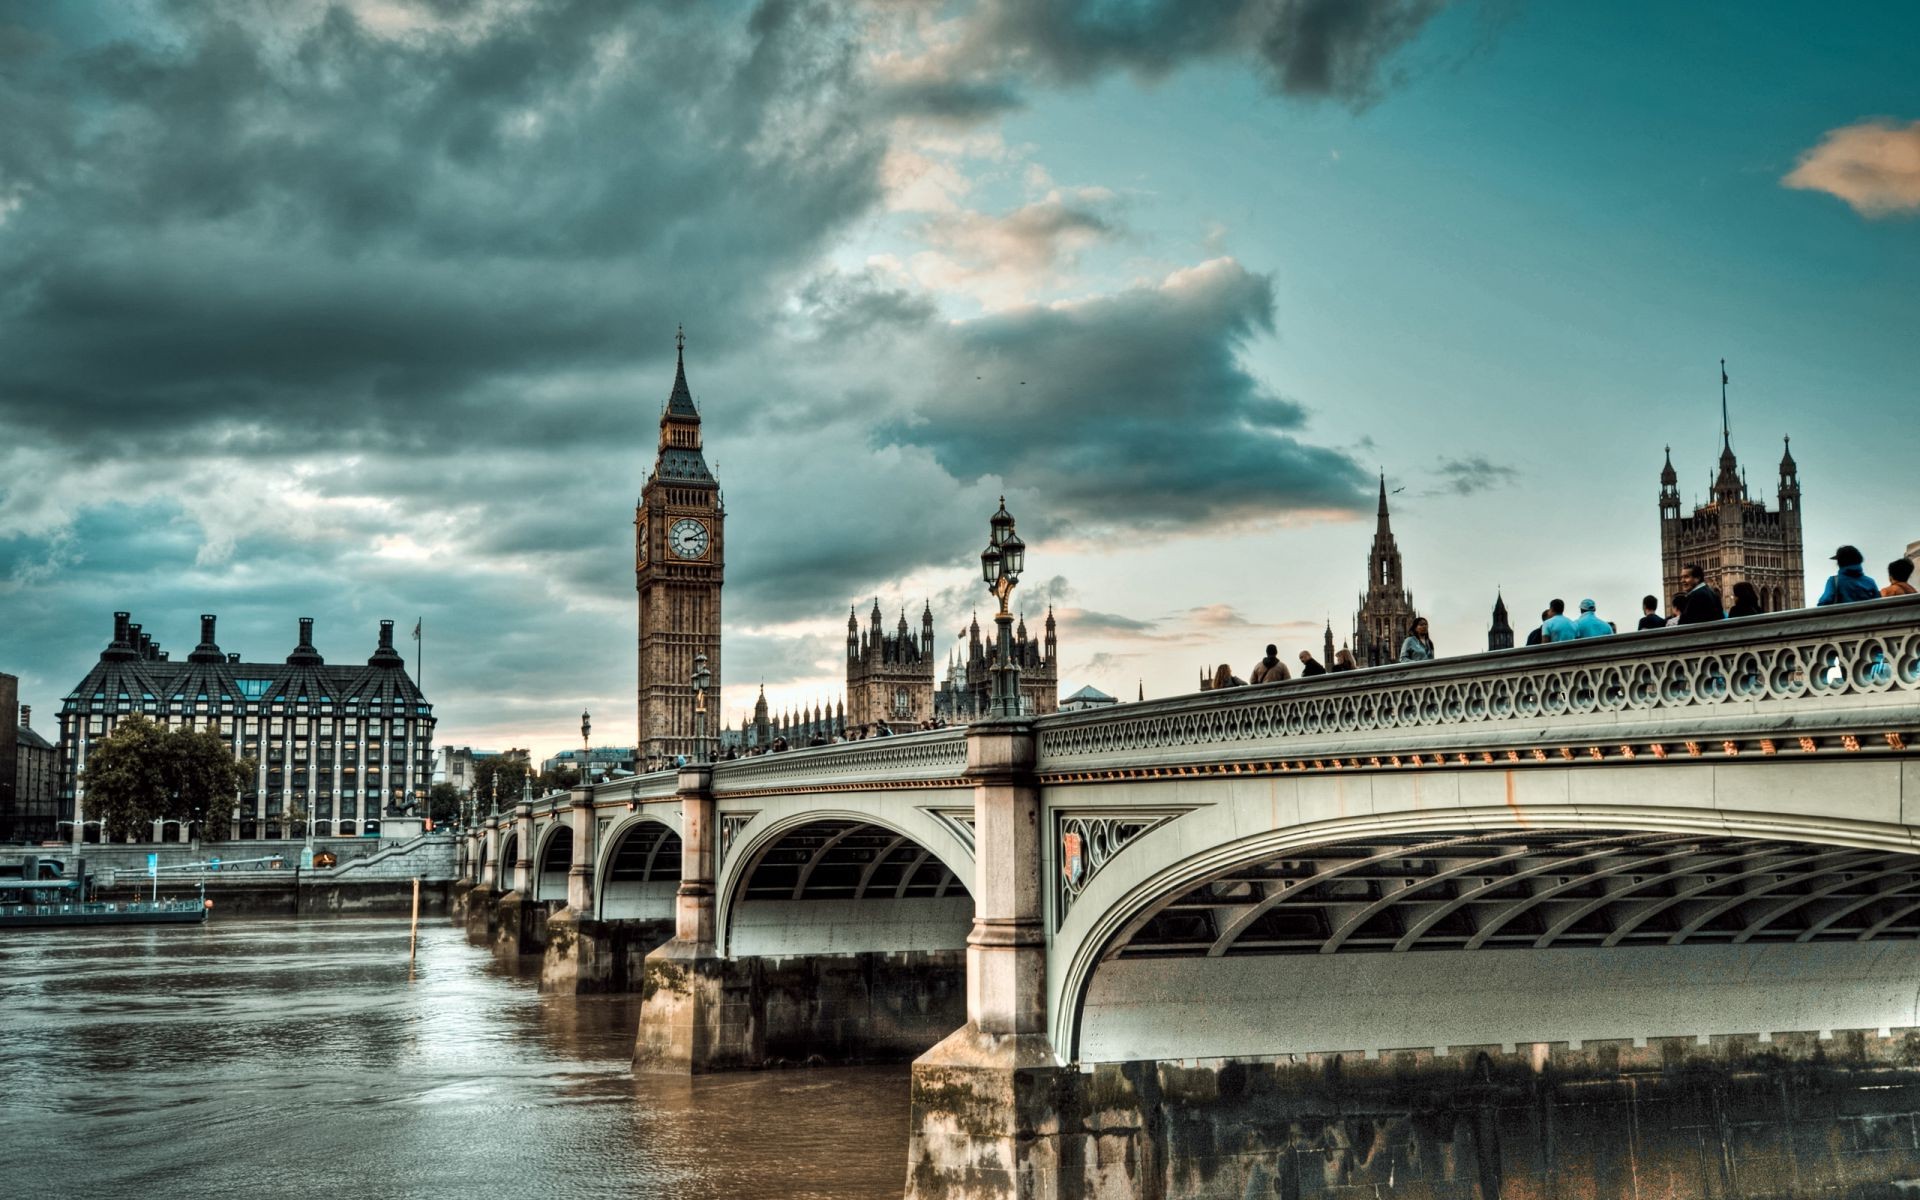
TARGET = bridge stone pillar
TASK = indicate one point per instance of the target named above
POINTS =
(981, 1126)
(521, 925)
(682, 1014)
(482, 906)
(581, 949)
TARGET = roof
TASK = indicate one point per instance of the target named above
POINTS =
(32, 740)
(678, 463)
(1092, 693)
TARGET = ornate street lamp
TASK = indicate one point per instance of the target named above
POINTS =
(586, 748)
(1000, 566)
(702, 680)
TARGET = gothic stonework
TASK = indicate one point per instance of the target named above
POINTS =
(679, 564)
(889, 675)
(1734, 536)
(966, 693)
(1386, 607)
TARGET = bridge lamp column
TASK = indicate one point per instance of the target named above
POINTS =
(702, 680)
(1000, 566)
(586, 748)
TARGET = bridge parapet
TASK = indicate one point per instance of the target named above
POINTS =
(1841, 679)
(933, 757)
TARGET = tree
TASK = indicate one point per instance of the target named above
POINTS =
(443, 803)
(556, 779)
(144, 772)
(508, 774)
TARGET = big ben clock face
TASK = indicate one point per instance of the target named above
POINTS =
(688, 538)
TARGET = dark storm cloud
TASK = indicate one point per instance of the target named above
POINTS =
(1337, 49)
(1130, 411)
(346, 233)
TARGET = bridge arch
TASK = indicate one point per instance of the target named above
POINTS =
(844, 881)
(552, 859)
(1304, 938)
(639, 869)
(509, 855)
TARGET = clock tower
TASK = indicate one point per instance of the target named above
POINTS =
(678, 564)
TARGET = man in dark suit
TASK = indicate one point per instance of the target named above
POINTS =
(1703, 603)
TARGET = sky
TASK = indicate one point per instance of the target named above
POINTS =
(366, 310)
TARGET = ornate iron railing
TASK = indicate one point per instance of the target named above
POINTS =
(1849, 671)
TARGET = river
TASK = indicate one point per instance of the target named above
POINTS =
(303, 1058)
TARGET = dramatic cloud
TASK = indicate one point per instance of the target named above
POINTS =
(1132, 410)
(1874, 166)
(973, 64)
(365, 311)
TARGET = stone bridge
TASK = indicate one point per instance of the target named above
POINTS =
(1634, 912)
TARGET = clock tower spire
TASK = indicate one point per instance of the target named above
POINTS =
(679, 565)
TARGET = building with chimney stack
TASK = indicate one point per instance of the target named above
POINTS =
(1386, 607)
(342, 746)
(679, 564)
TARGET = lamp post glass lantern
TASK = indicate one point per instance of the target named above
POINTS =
(702, 680)
(1000, 566)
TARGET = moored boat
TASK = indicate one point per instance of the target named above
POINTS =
(38, 892)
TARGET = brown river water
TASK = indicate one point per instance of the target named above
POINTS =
(302, 1058)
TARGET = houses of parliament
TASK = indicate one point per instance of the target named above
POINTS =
(1734, 536)
(679, 571)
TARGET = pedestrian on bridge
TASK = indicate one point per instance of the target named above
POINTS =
(1589, 624)
(1900, 570)
(1701, 603)
(1343, 660)
(1650, 617)
(1309, 665)
(1539, 635)
(1558, 627)
(1419, 644)
(1746, 601)
(1225, 678)
(1850, 582)
(1268, 670)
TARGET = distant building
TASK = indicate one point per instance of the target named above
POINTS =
(454, 765)
(1386, 607)
(890, 675)
(1733, 536)
(1087, 697)
(601, 761)
(967, 693)
(36, 784)
(343, 746)
(9, 757)
(1500, 633)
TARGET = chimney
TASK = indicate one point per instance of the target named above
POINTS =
(386, 655)
(304, 655)
(386, 633)
(121, 648)
(208, 651)
(233, 656)
(26, 716)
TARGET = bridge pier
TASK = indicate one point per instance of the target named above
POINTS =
(683, 1008)
(578, 956)
(520, 924)
(482, 913)
(984, 1120)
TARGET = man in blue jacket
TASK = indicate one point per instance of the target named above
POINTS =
(1558, 627)
(1590, 624)
(1851, 582)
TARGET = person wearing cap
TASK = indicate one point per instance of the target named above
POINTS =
(1850, 582)
(1589, 623)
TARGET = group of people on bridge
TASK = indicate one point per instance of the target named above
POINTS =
(1699, 604)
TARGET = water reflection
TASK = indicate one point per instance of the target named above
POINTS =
(297, 1057)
